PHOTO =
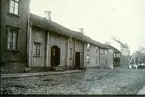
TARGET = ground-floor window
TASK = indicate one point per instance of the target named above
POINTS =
(12, 38)
(88, 59)
(96, 60)
(70, 54)
(37, 48)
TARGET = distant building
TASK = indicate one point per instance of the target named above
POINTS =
(113, 57)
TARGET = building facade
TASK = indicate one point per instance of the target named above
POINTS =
(114, 57)
(39, 42)
(14, 24)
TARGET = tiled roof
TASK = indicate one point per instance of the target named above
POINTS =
(50, 25)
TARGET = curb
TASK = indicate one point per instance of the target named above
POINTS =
(38, 74)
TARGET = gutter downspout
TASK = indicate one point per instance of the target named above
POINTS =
(27, 39)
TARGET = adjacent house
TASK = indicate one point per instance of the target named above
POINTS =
(52, 45)
(92, 52)
(113, 57)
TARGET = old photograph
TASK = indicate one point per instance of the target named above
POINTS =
(72, 47)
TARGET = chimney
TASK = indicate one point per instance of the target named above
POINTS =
(81, 30)
(47, 15)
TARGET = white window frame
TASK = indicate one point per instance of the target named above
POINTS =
(88, 59)
(12, 38)
(106, 52)
(14, 7)
(96, 49)
(37, 49)
(88, 46)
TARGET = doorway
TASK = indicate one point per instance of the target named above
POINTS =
(55, 56)
(78, 60)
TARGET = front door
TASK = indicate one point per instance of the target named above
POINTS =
(77, 60)
(55, 56)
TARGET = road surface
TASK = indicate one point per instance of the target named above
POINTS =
(92, 81)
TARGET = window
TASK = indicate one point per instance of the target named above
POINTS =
(14, 7)
(53, 51)
(106, 52)
(101, 52)
(88, 59)
(96, 49)
(12, 38)
(96, 60)
(118, 55)
(37, 48)
(70, 55)
(88, 46)
(114, 55)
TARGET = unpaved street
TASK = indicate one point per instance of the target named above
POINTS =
(92, 81)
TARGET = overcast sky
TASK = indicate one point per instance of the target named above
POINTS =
(100, 19)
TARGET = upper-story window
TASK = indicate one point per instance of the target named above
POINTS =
(101, 51)
(118, 55)
(96, 49)
(12, 38)
(88, 46)
(114, 55)
(14, 7)
(106, 52)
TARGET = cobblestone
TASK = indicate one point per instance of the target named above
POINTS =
(92, 81)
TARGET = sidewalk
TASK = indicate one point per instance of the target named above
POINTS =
(38, 74)
(142, 91)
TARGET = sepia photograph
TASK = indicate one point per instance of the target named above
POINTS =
(72, 47)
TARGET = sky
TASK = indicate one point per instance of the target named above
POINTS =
(100, 19)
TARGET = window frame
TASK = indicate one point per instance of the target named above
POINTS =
(11, 41)
(14, 7)
(88, 46)
(96, 49)
(96, 59)
(106, 52)
(70, 53)
(88, 59)
(37, 49)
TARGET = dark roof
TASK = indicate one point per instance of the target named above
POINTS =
(50, 25)
(113, 48)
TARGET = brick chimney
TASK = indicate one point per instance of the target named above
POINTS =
(81, 30)
(47, 15)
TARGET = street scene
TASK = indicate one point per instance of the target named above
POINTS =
(91, 81)
(72, 47)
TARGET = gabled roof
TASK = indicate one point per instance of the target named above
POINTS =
(114, 49)
(50, 25)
